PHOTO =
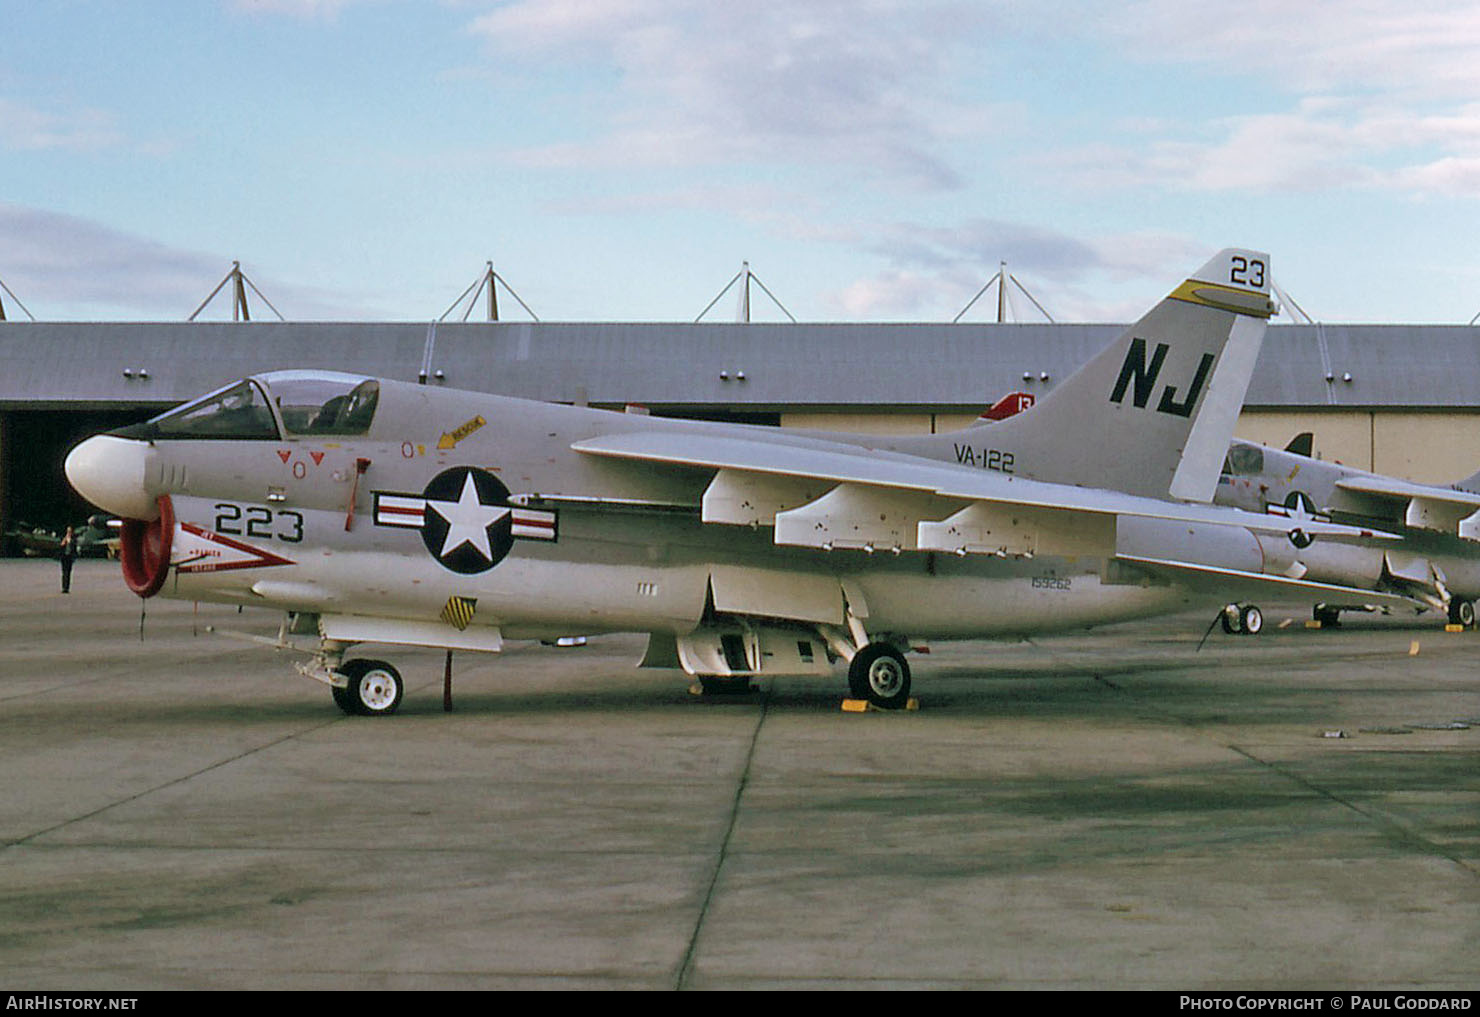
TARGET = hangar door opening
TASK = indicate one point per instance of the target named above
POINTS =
(34, 493)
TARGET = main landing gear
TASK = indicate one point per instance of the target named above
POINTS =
(725, 655)
(1243, 620)
(879, 674)
(1462, 612)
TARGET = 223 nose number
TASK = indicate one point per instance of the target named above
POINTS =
(255, 521)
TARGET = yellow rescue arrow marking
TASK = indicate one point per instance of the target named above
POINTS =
(450, 439)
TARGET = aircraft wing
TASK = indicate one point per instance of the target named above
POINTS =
(841, 497)
(1424, 507)
(1237, 584)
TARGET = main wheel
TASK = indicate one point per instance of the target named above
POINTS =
(374, 688)
(1229, 618)
(880, 675)
(1462, 612)
(1250, 620)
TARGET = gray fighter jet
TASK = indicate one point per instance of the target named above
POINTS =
(1433, 567)
(378, 511)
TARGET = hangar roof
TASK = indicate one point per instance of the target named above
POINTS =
(736, 366)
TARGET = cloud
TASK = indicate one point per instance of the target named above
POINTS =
(1319, 145)
(1420, 49)
(1380, 96)
(934, 271)
(833, 83)
(49, 258)
(27, 128)
(325, 10)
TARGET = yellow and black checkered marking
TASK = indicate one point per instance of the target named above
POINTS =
(459, 612)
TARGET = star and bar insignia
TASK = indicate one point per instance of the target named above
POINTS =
(465, 519)
(1299, 509)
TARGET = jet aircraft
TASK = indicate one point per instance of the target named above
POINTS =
(1434, 566)
(1422, 560)
(387, 512)
(97, 537)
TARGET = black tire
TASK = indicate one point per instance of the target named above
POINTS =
(723, 685)
(1229, 619)
(341, 698)
(1250, 620)
(375, 689)
(1462, 612)
(1329, 617)
(880, 674)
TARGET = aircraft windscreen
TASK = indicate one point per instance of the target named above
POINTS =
(324, 403)
(238, 411)
(1244, 460)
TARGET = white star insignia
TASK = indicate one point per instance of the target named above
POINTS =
(468, 520)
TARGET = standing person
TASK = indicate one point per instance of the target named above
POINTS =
(68, 556)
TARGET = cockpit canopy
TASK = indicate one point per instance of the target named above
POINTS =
(324, 402)
(300, 403)
(1244, 460)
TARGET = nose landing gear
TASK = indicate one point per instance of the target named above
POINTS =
(373, 688)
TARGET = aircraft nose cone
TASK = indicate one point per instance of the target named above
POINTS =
(112, 473)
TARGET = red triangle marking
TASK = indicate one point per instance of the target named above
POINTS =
(285, 454)
(318, 457)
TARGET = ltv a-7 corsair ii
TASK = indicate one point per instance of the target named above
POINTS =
(386, 512)
(1435, 566)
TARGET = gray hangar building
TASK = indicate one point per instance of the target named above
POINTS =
(1397, 399)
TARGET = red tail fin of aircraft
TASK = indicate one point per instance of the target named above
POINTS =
(1009, 405)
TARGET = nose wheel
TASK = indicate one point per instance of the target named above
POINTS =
(373, 688)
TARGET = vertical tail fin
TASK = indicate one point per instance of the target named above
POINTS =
(1303, 444)
(1009, 405)
(1152, 413)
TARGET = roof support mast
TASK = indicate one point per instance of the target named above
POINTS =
(742, 311)
(489, 281)
(1001, 280)
(239, 284)
(17, 300)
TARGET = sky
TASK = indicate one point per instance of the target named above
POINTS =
(619, 160)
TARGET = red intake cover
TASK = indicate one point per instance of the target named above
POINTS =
(144, 549)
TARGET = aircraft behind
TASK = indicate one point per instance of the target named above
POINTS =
(1435, 565)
